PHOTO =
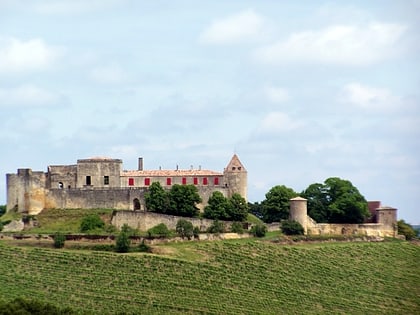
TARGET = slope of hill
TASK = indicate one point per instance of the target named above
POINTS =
(229, 277)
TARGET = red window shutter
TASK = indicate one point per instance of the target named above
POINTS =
(205, 181)
(168, 181)
(131, 182)
(147, 182)
(216, 181)
(184, 181)
(195, 181)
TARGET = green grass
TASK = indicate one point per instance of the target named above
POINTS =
(229, 277)
(66, 221)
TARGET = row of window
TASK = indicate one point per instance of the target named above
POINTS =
(204, 181)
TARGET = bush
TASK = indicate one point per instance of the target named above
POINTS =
(185, 228)
(91, 222)
(22, 306)
(237, 228)
(160, 230)
(144, 247)
(122, 243)
(216, 227)
(407, 230)
(196, 231)
(59, 240)
(259, 230)
(290, 227)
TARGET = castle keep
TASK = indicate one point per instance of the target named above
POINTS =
(102, 183)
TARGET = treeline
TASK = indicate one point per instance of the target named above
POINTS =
(182, 200)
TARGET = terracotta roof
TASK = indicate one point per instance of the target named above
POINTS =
(170, 173)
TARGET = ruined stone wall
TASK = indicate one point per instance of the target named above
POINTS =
(62, 176)
(367, 229)
(93, 198)
(97, 169)
(146, 220)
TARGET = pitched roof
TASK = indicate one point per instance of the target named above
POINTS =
(235, 164)
(170, 173)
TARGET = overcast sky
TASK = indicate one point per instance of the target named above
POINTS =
(300, 90)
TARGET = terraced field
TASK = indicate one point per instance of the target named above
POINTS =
(229, 277)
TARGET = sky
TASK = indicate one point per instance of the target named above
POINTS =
(300, 90)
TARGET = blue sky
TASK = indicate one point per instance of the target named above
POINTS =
(300, 90)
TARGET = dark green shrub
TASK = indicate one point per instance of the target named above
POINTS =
(122, 242)
(160, 230)
(290, 227)
(26, 307)
(144, 247)
(259, 230)
(216, 227)
(407, 230)
(196, 231)
(2, 210)
(59, 240)
(91, 222)
(237, 228)
(184, 228)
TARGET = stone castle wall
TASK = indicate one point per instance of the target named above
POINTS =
(146, 220)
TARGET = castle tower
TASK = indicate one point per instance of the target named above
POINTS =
(236, 177)
(299, 211)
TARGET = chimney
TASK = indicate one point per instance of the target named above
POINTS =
(140, 164)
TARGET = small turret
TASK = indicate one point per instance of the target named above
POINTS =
(299, 211)
(236, 177)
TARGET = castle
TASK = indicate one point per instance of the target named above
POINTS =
(100, 182)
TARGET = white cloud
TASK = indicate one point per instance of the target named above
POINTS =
(111, 74)
(338, 44)
(276, 122)
(245, 26)
(18, 55)
(369, 98)
(276, 94)
(27, 96)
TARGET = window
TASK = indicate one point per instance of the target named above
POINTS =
(195, 181)
(233, 168)
(184, 181)
(106, 180)
(168, 181)
(88, 181)
(147, 182)
(216, 181)
(60, 185)
(205, 182)
(239, 168)
(131, 182)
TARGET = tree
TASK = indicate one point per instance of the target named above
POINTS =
(185, 228)
(160, 230)
(157, 199)
(256, 209)
(183, 200)
(216, 227)
(291, 227)
(336, 201)
(2, 210)
(407, 230)
(91, 222)
(59, 239)
(237, 227)
(259, 230)
(217, 207)
(275, 206)
(122, 243)
(238, 209)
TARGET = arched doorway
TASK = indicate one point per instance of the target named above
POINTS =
(136, 204)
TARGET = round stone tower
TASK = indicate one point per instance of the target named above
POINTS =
(299, 211)
(236, 178)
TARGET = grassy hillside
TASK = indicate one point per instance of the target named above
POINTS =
(230, 277)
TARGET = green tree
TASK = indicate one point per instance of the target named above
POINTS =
(91, 222)
(336, 201)
(238, 209)
(256, 209)
(59, 239)
(160, 230)
(317, 197)
(275, 206)
(407, 230)
(183, 200)
(291, 227)
(259, 230)
(2, 210)
(237, 227)
(217, 207)
(216, 227)
(123, 242)
(157, 199)
(185, 228)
